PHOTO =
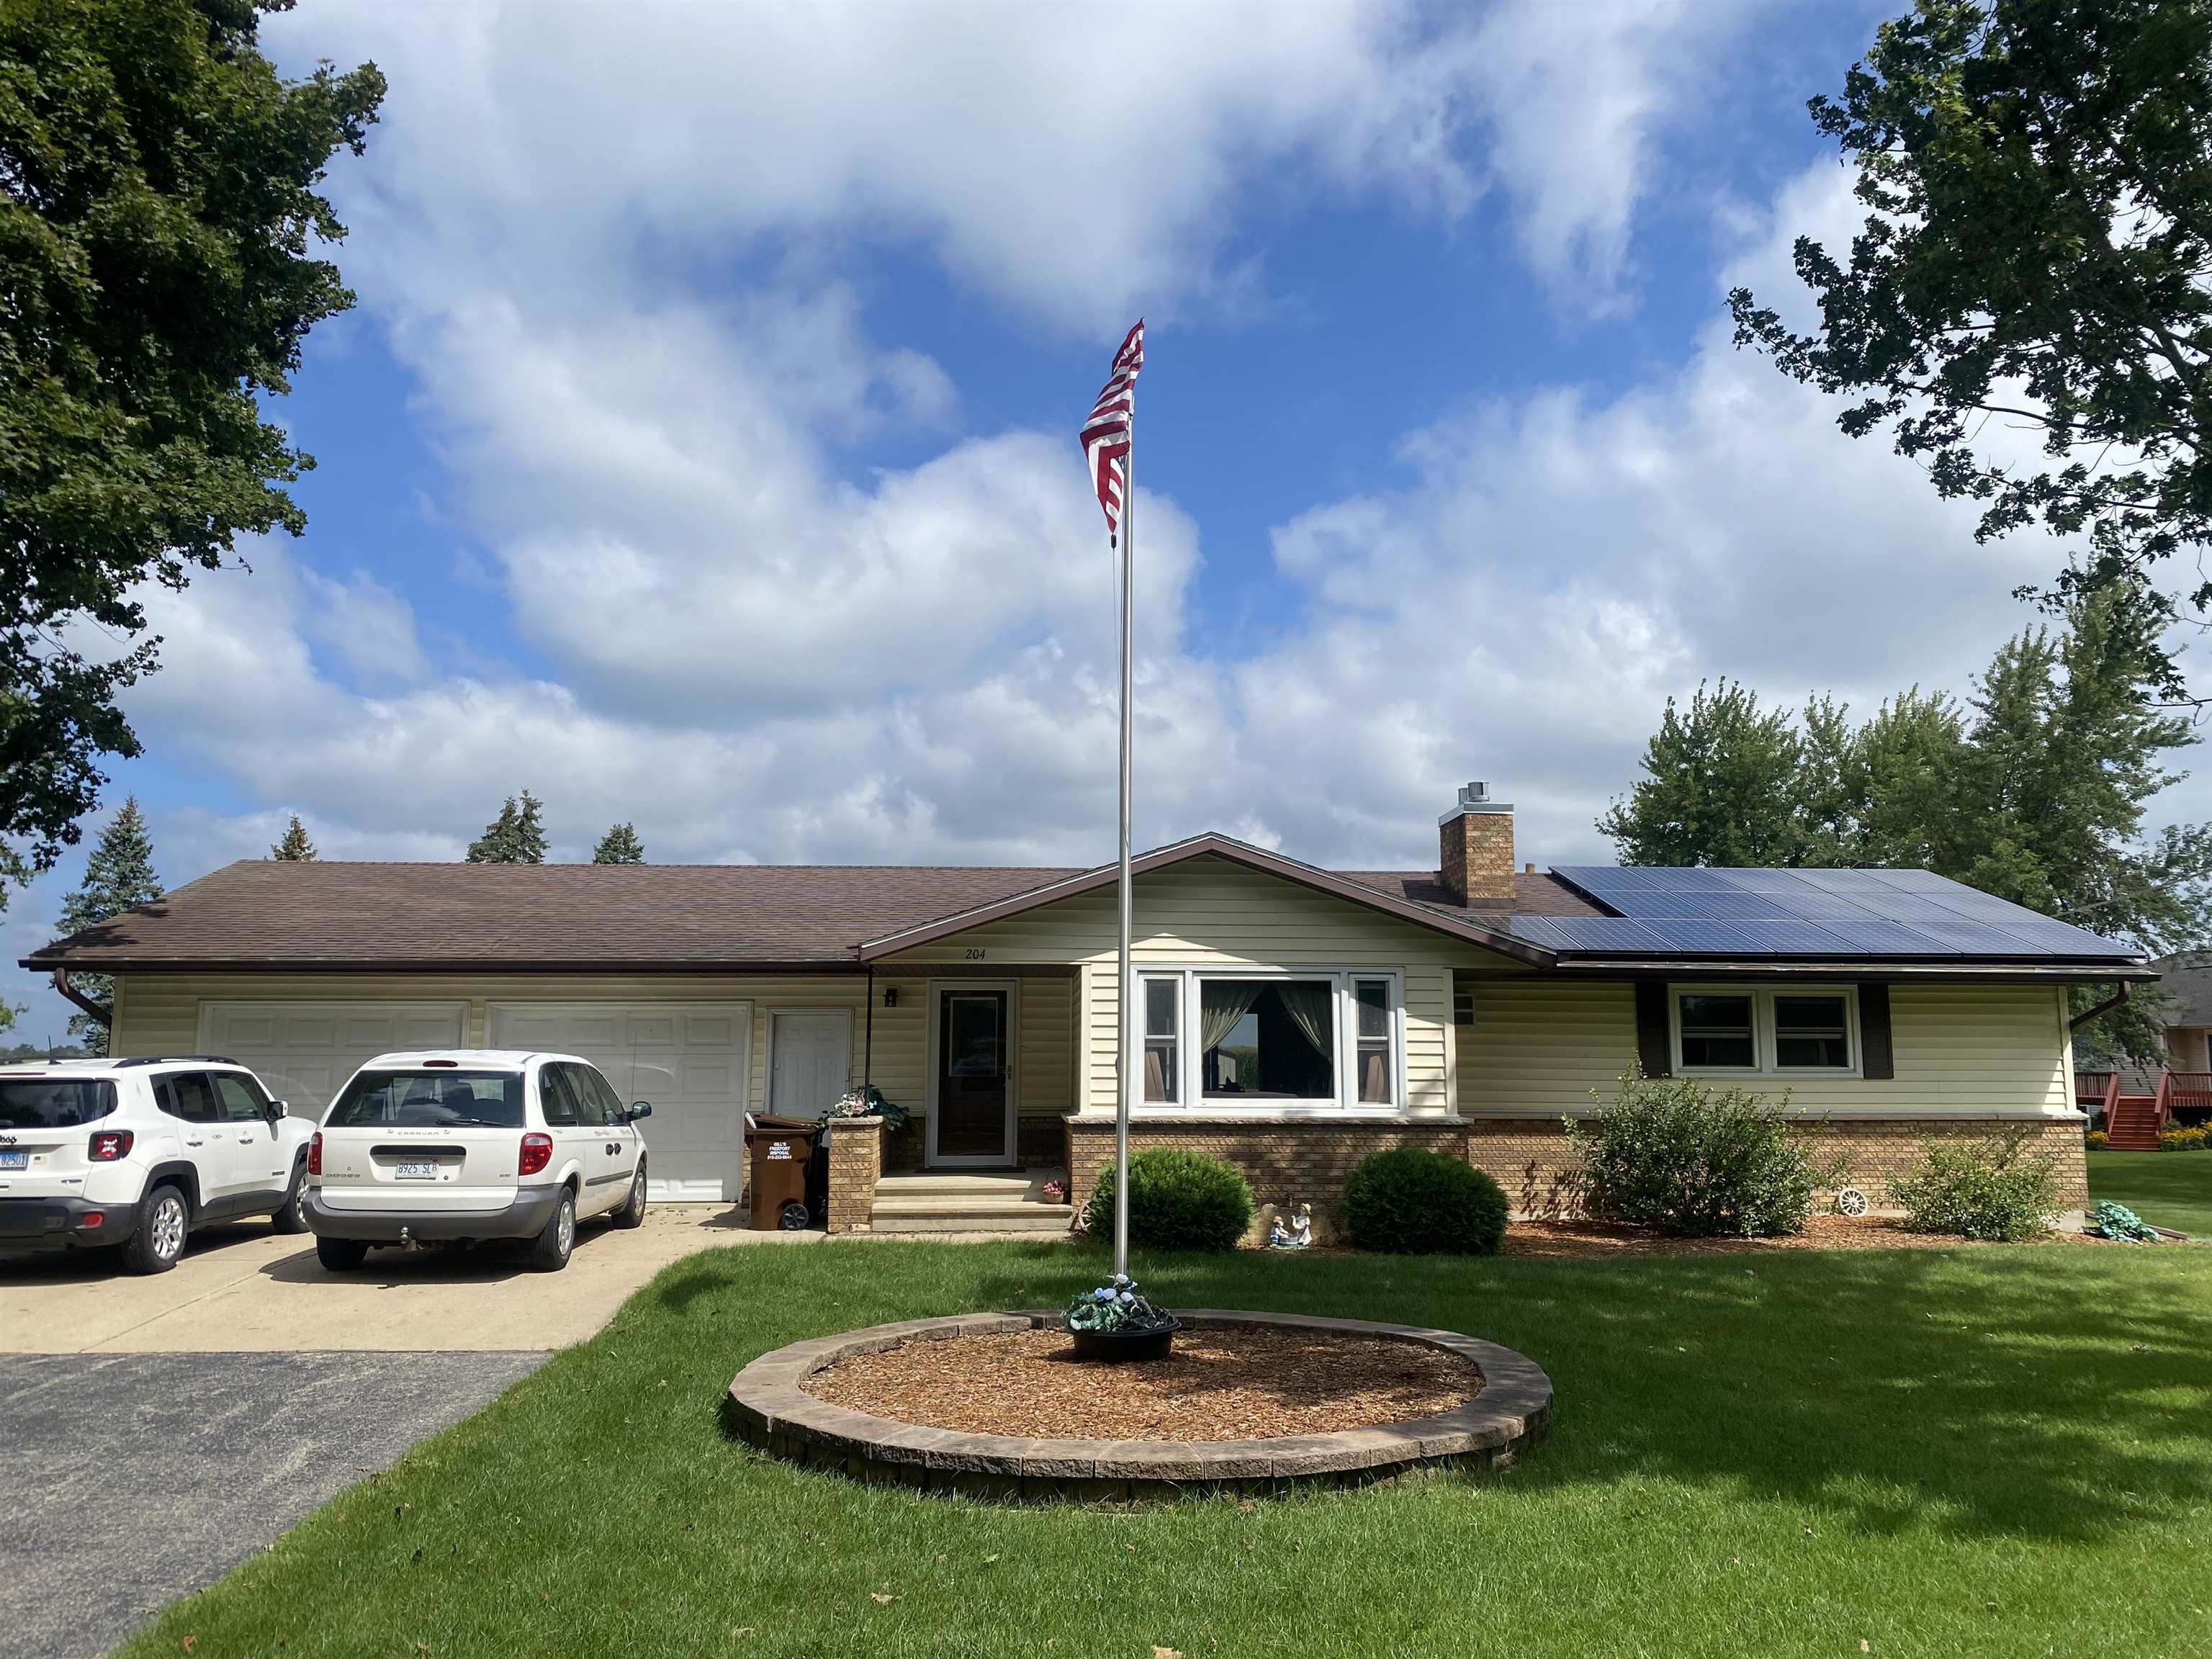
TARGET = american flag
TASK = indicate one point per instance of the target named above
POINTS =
(1106, 433)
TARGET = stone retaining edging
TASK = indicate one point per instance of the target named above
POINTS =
(769, 1407)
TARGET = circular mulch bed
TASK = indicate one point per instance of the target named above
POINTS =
(1249, 1401)
(1218, 1383)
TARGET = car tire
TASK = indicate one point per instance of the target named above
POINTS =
(157, 1237)
(291, 1215)
(340, 1255)
(549, 1252)
(632, 1213)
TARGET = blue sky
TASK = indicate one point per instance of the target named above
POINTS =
(702, 452)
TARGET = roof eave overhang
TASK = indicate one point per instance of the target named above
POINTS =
(1235, 852)
(1987, 970)
(47, 964)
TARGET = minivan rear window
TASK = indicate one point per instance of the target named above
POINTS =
(53, 1103)
(437, 1100)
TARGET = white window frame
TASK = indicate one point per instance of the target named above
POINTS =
(1762, 1031)
(1345, 1028)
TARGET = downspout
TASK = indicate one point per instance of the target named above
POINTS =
(2127, 989)
(105, 1016)
(868, 1039)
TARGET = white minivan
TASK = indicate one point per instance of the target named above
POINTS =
(470, 1145)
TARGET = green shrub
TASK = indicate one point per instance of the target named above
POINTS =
(2181, 1140)
(1413, 1202)
(2097, 1140)
(1992, 1189)
(1695, 1161)
(1179, 1199)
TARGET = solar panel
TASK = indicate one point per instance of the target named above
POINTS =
(1607, 934)
(1893, 913)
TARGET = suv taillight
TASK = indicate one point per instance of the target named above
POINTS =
(537, 1153)
(315, 1154)
(109, 1144)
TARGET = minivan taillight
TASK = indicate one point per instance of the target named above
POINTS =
(109, 1144)
(537, 1153)
(315, 1154)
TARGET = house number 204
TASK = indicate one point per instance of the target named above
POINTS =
(976, 953)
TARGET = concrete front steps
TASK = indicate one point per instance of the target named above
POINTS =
(970, 1201)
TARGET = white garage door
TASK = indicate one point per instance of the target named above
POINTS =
(305, 1051)
(689, 1059)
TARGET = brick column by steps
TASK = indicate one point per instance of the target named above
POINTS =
(856, 1160)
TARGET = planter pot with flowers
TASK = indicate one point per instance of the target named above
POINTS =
(1113, 1324)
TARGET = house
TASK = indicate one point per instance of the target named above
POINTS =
(1293, 1018)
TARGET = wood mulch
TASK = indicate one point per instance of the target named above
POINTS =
(1822, 1232)
(1218, 1383)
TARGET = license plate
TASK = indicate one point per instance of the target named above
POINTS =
(15, 1160)
(415, 1169)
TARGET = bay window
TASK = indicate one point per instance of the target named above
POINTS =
(1720, 1030)
(1282, 1041)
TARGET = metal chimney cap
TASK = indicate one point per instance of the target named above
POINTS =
(1475, 798)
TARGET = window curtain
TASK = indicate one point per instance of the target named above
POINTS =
(1221, 1004)
(1311, 1005)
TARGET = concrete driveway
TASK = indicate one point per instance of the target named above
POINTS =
(245, 1290)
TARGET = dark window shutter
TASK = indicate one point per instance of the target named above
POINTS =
(1875, 1057)
(1655, 1049)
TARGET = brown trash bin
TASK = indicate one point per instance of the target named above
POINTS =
(780, 1152)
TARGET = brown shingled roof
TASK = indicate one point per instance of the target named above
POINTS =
(428, 917)
(333, 913)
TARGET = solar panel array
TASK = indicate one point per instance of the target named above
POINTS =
(1804, 912)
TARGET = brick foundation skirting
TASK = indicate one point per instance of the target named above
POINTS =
(1287, 1164)
(1308, 1162)
(1531, 1160)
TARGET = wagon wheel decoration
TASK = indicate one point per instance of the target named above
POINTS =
(1849, 1200)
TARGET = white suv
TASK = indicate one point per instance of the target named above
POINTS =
(468, 1145)
(136, 1153)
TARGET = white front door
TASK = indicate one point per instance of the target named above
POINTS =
(689, 1059)
(810, 1059)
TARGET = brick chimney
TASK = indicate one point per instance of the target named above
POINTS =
(1475, 848)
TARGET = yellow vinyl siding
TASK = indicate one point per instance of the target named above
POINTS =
(1209, 912)
(1538, 1048)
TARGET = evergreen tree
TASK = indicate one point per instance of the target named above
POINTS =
(620, 845)
(516, 835)
(295, 847)
(117, 877)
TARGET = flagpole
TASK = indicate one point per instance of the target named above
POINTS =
(1128, 1069)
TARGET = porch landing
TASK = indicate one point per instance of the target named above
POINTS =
(970, 1201)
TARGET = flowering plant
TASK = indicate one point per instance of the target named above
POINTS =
(1115, 1307)
(869, 1103)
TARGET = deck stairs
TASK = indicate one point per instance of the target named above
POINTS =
(970, 1201)
(2132, 1121)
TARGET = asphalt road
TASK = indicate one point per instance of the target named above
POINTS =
(128, 1479)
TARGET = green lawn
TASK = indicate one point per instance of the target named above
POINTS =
(1995, 1451)
(2174, 1189)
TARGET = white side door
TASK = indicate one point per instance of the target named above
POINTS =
(621, 1140)
(211, 1144)
(810, 1059)
(259, 1160)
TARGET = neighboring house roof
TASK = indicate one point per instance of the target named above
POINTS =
(268, 914)
(2186, 980)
